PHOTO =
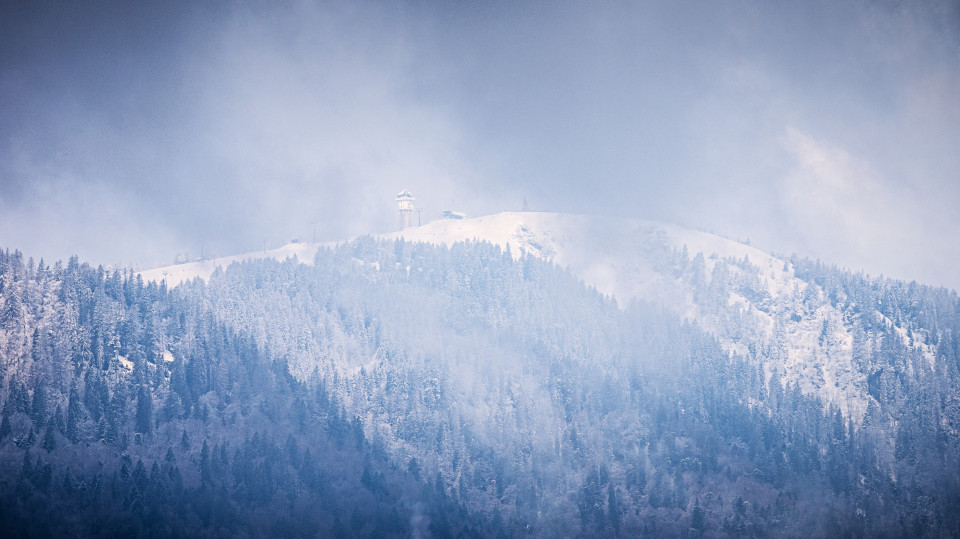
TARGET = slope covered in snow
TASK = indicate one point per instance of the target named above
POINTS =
(179, 273)
(505, 383)
(749, 299)
(752, 301)
(616, 256)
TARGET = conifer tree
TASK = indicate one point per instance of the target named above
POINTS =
(49, 441)
(206, 475)
(38, 410)
(144, 419)
(5, 427)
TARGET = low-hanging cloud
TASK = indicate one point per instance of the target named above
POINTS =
(328, 138)
(822, 128)
(835, 205)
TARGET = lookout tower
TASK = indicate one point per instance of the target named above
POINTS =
(405, 208)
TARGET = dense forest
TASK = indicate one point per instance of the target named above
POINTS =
(129, 410)
(393, 389)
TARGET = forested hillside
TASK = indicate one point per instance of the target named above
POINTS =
(395, 388)
(130, 410)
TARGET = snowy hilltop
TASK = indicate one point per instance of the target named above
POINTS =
(745, 296)
(753, 302)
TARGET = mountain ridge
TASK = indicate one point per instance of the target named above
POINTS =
(783, 322)
(723, 400)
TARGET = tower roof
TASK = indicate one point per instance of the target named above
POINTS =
(404, 194)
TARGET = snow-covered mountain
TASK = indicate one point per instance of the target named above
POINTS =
(616, 256)
(752, 301)
(757, 302)
(552, 374)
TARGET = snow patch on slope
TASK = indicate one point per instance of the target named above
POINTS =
(203, 269)
(611, 254)
(802, 337)
(757, 306)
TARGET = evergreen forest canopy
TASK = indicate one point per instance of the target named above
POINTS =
(396, 389)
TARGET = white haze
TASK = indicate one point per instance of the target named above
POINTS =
(128, 133)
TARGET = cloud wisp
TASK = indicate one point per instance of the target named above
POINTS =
(132, 132)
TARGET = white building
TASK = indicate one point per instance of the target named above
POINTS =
(405, 208)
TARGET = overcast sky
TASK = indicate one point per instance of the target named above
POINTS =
(131, 131)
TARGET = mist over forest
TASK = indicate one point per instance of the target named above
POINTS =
(393, 389)
(417, 269)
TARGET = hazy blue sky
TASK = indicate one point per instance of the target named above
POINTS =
(131, 131)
